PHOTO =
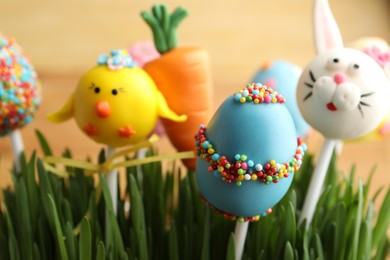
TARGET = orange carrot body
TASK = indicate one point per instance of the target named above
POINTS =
(183, 75)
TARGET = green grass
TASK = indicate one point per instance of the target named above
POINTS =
(47, 217)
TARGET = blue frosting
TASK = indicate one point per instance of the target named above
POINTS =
(263, 132)
(285, 77)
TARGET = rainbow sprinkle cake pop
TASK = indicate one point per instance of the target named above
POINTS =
(19, 94)
(248, 154)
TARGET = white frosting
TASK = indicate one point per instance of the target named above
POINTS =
(343, 93)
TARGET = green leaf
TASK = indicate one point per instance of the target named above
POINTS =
(23, 221)
(44, 144)
(383, 221)
(288, 252)
(13, 248)
(231, 250)
(46, 189)
(205, 252)
(85, 242)
(114, 241)
(318, 247)
(70, 241)
(173, 243)
(37, 253)
(101, 251)
(59, 236)
(164, 26)
(137, 218)
(356, 233)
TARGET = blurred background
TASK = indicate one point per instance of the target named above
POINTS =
(64, 38)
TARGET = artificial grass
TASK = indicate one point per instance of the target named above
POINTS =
(47, 217)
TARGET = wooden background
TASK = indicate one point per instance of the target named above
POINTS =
(63, 39)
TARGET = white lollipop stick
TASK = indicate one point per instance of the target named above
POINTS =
(17, 147)
(112, 181)
(240, 236)
(317, 181)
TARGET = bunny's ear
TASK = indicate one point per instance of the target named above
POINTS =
(326, 32)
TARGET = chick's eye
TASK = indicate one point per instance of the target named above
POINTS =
(114, 92)
(97, 90)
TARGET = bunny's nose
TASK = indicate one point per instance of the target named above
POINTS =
(339, 78)
(103, 109)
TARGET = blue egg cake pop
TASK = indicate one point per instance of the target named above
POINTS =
(283, 77)
(248, 154)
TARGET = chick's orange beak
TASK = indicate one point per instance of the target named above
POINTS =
(103, 109)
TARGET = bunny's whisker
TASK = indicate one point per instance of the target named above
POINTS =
(308, 95)
(309, 85)
(361, 110)
(312, 76)
(367, 94)
(363, 104)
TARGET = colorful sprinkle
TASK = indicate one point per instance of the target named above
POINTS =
(257, 94)
(116, 60)
(242, 169)
(19, 94)
(238, 218)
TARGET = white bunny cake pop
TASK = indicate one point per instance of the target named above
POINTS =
(342, 93)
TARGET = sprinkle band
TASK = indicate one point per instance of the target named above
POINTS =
(233, 217)
(242, 168)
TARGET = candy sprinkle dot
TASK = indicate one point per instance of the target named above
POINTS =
(215, 157)
(259, 167)
(257, 94)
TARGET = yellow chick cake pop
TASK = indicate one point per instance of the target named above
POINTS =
(116, 103)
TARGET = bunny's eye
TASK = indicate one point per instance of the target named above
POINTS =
(334, 63)
(354, 68)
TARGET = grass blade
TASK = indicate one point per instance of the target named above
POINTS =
(85, 242)
(288, 252)
(44, 144)
(383, 221)
(60, 237)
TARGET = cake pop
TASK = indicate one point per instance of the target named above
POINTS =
(116, 103)
(248, 154)
(342, 93)
(19, 93)
(283, 77)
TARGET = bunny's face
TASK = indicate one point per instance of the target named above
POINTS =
(343, 93)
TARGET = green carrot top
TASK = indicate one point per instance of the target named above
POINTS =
(164, 25)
